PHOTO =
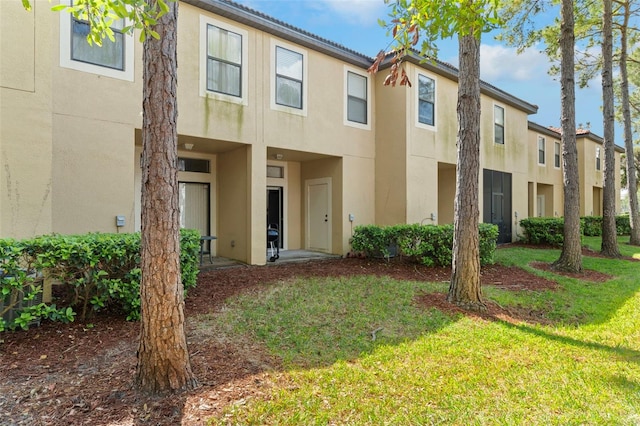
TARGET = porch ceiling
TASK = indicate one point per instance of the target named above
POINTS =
(201, 145)
(293, 155)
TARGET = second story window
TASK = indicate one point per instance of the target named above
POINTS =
(556, 155)
(498, 124)
(111, 54)
(356, 98)
(598, 165)
(541, 150)
(289, 72)
(426, 100)
(224, 61)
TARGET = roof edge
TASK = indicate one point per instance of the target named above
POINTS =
(580, 133)
(449, 71)
(268, 24)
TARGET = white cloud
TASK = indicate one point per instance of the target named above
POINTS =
(499, 63)
(359, 12)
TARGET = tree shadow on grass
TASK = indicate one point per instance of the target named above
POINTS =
(620, 352)
(589, 297)
(76, 373)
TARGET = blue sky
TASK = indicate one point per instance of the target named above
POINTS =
(354, 24)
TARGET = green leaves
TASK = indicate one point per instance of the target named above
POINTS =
(433, 20)
(93, 272)
(102, 15)
(428, 244)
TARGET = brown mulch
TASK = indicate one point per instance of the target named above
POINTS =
(81, 373)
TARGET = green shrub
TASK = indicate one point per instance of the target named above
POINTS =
(623, 224)
(591, 226)
(20, 289)
(488, 242)
(371, 240)
(93, 272)
(430, 245)
(546, 230)
(189, 257)
(543, 230)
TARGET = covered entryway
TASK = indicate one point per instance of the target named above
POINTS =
(597, 202)
(497, 202)
(195, 207)
(318, 207)
(446, 192)
(275, 211)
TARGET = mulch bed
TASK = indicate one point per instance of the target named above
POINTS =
(81, 373)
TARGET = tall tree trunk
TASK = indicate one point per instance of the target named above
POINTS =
(609, 246)
(465, 279)
(163, 358)
(571, 256)
(632, 183)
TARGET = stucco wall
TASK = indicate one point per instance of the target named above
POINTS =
(391, 153)
(232, 193)
(25, 120)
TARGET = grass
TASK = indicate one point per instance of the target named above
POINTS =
(426, 367)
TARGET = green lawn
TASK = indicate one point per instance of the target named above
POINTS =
(425, 367)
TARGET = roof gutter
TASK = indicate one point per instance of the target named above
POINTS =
(262, 22)
(452, 73)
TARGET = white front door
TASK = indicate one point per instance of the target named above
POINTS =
(319, 214)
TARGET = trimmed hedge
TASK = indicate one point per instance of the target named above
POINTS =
(430, 245)
(550, 230)
(592, 225)
(92, 272)
(543, 230)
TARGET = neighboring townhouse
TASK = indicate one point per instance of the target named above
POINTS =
(416, 132)
(591, 163)
(546, 191)
(276, 127)
(544, 168)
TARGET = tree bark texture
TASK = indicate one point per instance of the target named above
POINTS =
(571, 256)
(609, 246)
(464, 289)
(632, 183)
(163, 358)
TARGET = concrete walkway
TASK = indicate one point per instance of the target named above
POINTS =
(286, 256)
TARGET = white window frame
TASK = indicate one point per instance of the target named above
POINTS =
(543, 140)
(346, 121)
(417, 102)
(126, 74)
(557, 146)
(272, 77)
(243, 99)
(598, 159)
(504, 125)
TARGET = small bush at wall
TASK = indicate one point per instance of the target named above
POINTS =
(623, 224)
(92, 272)
(21, 287)
(428, 244)
(550, 230)
(592, 225)
(543, 230)
(371, 240)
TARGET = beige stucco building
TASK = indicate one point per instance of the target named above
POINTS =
(276, 127)
(546, 196)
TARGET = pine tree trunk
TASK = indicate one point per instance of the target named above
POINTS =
(163, 358)
(632, 183)
(465, 279)
(571, 256)
(609, 246)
